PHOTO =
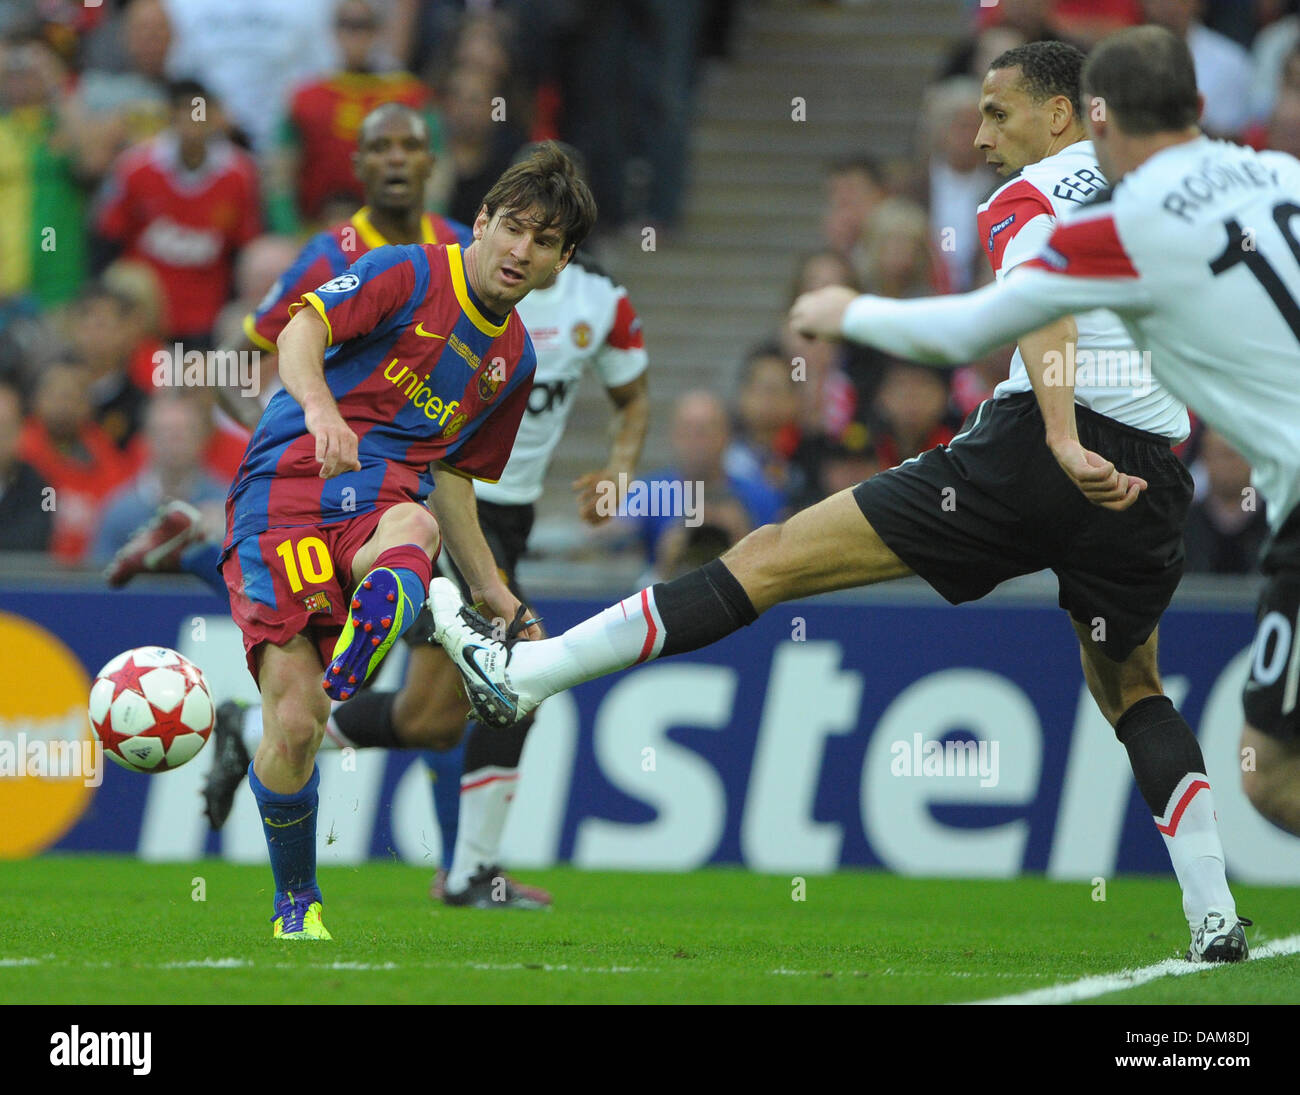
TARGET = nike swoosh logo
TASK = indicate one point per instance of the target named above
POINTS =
(286, 824)
(469, 657)
(419, 330)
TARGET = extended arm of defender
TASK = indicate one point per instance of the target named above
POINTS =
(302, 372)
(456, 509)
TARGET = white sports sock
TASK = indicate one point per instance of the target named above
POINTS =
(485, 797)
(1191, 833)
(624, 634)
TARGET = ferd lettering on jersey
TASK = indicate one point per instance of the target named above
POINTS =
(1201, 189)
(420, 394)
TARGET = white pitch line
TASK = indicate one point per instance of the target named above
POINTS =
(1101, 984)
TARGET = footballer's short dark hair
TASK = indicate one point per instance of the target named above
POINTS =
(1145, 79)
(1047, 69)
(549, 184)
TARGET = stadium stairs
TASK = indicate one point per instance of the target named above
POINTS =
(717, 284)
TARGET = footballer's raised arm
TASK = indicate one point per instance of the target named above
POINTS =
(1082, 268)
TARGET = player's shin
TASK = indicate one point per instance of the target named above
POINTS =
(487, 789)
(289, 823)
(674, 617)
(1170, 772)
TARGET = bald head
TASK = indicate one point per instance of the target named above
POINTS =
(385, 114)
(700, 434)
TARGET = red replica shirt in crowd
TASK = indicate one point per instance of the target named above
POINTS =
(186, 224)
(80, 486)
(326, 115)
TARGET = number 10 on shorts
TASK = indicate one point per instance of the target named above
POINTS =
(309, 559)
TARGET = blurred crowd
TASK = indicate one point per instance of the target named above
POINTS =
(162, 161)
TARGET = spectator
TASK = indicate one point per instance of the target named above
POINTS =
(184, 202)
(318, 138)
(1226, 528)
(26, 517)
(1014, 22)
(42, 234)
(958, 179)
(974, 383)
(1087, 22)
(177, 426)
(854, 189)
(709, 494)
(896, 258)
(109, 110)
(104, 335)
(250, 53)
(1283, 129)
(72, 454)
(1223, 69)
(628, 93)
(136, 281)
(480, 148)
(1273, 46)
(257, 270)
(766, 431)
(912, 408)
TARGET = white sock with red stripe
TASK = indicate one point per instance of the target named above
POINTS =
(485, 796)
(624, 634)
(1191, 834)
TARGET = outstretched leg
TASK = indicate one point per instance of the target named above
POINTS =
(1170, 772)
(826, 547)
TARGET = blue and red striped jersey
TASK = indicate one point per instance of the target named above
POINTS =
(326, 255)
(421, 373)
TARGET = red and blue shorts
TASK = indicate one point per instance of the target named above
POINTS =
(295, 580)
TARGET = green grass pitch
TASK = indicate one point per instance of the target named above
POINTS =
(109, 930)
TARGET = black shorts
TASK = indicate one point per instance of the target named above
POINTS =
(506, 530)
(994, 504)
(1271, 692)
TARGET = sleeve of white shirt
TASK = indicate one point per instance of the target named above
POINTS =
(1084, 266)
(1027, 243)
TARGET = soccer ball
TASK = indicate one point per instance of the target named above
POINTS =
(152, 709)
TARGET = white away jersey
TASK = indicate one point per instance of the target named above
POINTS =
(1198, 252)
(1014, 225)
(584, 318)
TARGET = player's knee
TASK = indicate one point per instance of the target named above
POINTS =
(758, 551)
(417, 526)
(297, 734)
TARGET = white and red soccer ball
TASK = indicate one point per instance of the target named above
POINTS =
(151, 708)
